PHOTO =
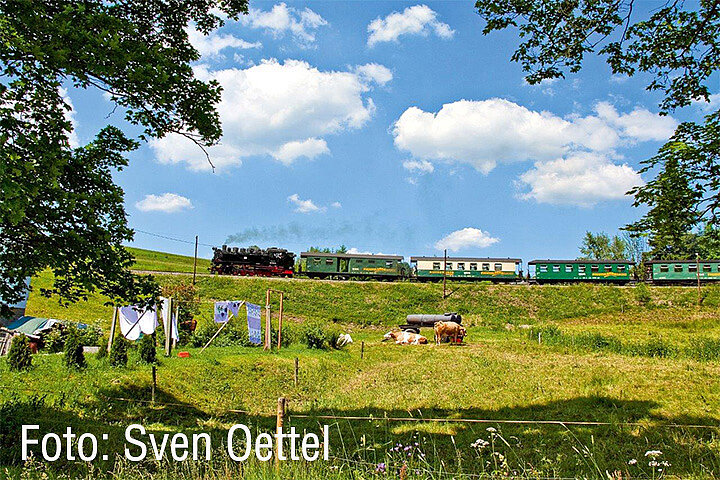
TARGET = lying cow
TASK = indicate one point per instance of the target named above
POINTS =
(449, 329)
(405, 338)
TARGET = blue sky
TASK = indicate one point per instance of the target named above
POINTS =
(392, 127)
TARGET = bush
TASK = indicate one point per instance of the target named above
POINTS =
(643, 294)
(102, 348)
(54, 341)
(316, 335)
(19, 356)
(147, 350)
(118, 353)
(74, 355)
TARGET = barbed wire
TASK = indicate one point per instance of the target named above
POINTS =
(174, 239)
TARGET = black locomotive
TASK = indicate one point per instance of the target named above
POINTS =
(271, 262)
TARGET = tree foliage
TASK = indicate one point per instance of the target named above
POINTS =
(74, 356)
(118, 353)
(59, 207)
(676, 46)
(600, 246)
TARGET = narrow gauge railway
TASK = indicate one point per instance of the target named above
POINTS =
(277, 262)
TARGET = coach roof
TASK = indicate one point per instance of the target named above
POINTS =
(350, 255)
(464, 259)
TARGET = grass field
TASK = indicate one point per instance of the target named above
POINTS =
(166, 262)
(640, 355)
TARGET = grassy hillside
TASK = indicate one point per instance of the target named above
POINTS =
(166, 262)
(645, 355)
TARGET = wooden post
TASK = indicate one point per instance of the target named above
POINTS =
(297, 371)
(445, 276)
(697, 263)
(168, 328)
(195, 260)
(278, 428)
(154, 384)
(362, 350)
(280, 322)
(112, 329)
(268, 324)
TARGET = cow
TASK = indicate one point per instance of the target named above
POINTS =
(448, 329)
(405, 338)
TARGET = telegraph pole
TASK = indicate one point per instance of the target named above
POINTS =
(697, 264)
(195, 260)
(445, 276)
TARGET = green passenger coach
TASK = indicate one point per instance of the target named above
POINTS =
(346, 265)
(684, 271)
(467, 268)
(610, 271)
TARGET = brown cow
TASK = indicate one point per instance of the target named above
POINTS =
(448, 329)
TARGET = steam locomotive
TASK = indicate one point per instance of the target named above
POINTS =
(271, 262)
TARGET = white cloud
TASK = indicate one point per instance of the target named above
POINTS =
(419, 166)
(73, 139)
(278, 109)
(640, 124)
(466, 238)
(211, 45)
(582, 179)
(304, 206)
(167, 203)
(336, 205)
(485, 133)
(281, 20)
(416, 20)
(712, 105)
(374, 72)
(308, 148)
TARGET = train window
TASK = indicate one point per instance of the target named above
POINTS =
(556, 268)
(678, 267)
(664, 268)
(692, 267)
(436, 265)
(316, 261)
(568, 268)
(594, 268)
(461, 266)
(581, 269)
(371, 261)
(707, 268)
(621, 268)
(608, 268)
(486, 267)
(543, 268)
(448, 266)
(498, 267)
(329, 261)
(388, 263)
(473, 266)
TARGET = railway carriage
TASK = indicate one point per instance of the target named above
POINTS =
(601, 271)
(347, 265)
(467, 268)
(684, 271)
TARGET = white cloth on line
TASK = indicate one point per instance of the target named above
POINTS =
(170, 321)
(134, 321)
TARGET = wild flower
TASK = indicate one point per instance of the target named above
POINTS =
(380, 468)
(653, 453)
(491, 429)
(632, 461)
(480, 443)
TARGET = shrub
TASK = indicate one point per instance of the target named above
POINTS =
(19, 356)
(643, 294)
(314, 336)
(146, 349)
(74, 356)
(102, 348)
(54, 341)
(118, 353)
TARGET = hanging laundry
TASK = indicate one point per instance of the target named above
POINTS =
(221, 312)
(170, 321)
(234, 306)
(135, 321)
(254, 323)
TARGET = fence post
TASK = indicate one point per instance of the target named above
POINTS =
(278, 429)
(297, 371)
(154, 382)
(112, 329)
(362, 350)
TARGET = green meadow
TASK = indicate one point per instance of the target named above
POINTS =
(610, 373)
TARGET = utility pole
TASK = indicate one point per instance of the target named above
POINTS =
(195, 261)
(697, 264)
(445, 276)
